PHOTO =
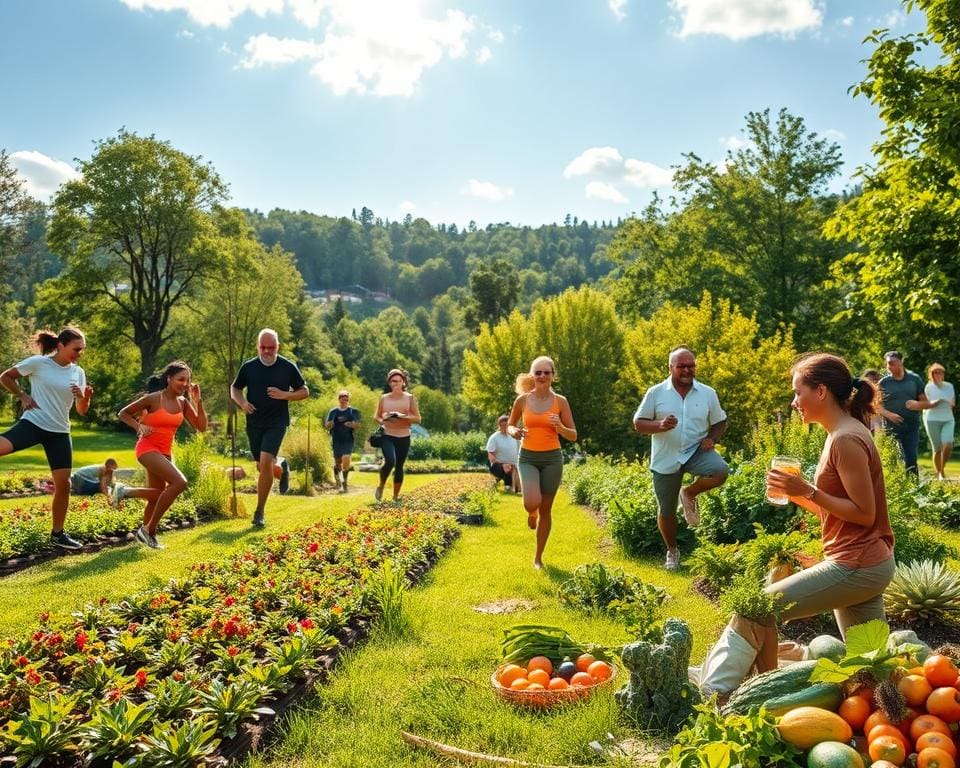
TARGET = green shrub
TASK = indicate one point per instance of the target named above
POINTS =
(436, 408)
(941, 501)
(210, 494)
(320, 454)
(463, 446)
(716, 564)
(190, 454)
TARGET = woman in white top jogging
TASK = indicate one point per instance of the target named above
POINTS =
(938, 419)
(56, 383)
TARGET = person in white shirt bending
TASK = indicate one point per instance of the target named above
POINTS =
(503, 452)
(684, 420)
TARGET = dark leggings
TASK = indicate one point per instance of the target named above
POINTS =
(395, 450)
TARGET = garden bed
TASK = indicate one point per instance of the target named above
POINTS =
(191, 667)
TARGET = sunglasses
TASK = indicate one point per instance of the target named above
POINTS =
(685, 365)
(543, 373)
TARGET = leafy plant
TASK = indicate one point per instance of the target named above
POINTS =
(923, 591)
(769, 550)
(746, 597)
(867, 649)
(716, 564)
(714, 740)
(171, 699)
(114, 730)
(186, 746)
(229, 704)
(387, 591)
(49, 729)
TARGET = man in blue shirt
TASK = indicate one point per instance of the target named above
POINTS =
(684, 420)
(903, 399)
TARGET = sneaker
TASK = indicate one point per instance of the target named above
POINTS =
(117, 494)
(62, 540)
(378, 493)
(258, 521)
(691, 510)
(154, 543)
(142, 536)
(284, 476)
(673, 559)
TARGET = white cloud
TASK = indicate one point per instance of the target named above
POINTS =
(185, 33)
(407, 206)
(609, 165)
(218, 13)
(487, 190)
(42, 174)
(619, 8)
(596, 160)
(484, 55)
(369, 46)
(495, 34)
(834, 135)
(643, 174)
(893, 19)
(733, 143)
(267, 50)
(846, 21)
(742, 19)
(603, 191)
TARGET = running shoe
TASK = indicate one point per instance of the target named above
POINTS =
(62, 540)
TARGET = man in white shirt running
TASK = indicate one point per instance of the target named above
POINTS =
(684, 420)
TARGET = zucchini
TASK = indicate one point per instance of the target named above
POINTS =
(781, 690)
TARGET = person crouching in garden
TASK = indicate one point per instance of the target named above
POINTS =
(155, 418)
(849, 497)
(92, 479)
(545, 416)
(56, 383)
(503, 452)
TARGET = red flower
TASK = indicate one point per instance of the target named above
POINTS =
(233, 650)
(114, 694)
(22, 661)
(141, 676)
(313, 547)
(229, 601)
(307, 623)
(133, 627)
(32, 677)
(80, 640)
(292, 627)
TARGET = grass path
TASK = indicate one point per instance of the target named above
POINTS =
(417, 682)
(67, 583)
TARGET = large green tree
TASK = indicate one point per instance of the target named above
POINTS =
(136, 231)
(749, 231)
(904, 276)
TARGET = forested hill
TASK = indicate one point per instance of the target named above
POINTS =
(414, 261)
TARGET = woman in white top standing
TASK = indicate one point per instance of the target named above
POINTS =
(938, 419)
(56, 383)
(396, 411)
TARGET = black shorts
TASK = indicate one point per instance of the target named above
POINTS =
(57, 445)
(342, 448)
(266, 439)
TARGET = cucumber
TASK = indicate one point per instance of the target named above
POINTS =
(784, 689)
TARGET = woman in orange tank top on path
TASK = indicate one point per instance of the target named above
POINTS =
(546, 416)
(156, 417)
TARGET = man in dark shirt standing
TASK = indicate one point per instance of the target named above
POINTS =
(903, 399)
(271, 381)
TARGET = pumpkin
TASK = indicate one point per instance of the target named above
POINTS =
(805, 727)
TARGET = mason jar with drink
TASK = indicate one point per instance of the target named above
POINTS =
(787, 464)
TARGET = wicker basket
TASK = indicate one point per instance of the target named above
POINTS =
(547, 698)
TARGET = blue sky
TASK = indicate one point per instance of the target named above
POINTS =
(491, 110)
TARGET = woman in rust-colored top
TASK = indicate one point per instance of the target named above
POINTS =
(847, 494)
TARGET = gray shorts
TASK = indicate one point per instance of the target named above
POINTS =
(940, 433)
(667, 487)
(541, 469)
(855, 595)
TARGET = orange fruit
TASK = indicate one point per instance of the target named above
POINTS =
(536, 687)
(540, 662)
(538, 676)
(865, 693)
(600, 670)
(583, 679)
(510, 673)
(945, 703)
(584, 660)
(855, 710)
(558, 684)
(932, 757)
(938, 740)
(915, 689)
(520, 684)
(875, 719)
(882, 764)
(940, 670)
(925, 724)
(886, 730)
(888, 748)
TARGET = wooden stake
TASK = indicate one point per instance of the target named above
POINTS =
(464, 756)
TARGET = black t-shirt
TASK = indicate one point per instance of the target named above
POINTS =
(338, 416)
(256, 377)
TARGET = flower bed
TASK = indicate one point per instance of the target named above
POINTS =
(176, 676)
(25, 530)
(468, 499)
(16, 484)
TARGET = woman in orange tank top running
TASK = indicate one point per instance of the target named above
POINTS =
(546, 417)
(170, 397)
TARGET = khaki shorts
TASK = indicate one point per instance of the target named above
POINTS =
(855, 595)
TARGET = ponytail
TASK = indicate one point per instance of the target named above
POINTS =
(524, 383)
(159, 380)
(863, 400)
(855, 396)
(47, 341)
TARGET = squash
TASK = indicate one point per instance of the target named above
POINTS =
(773, 686)
(827, 647)
(806, 727)
(833, 754)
